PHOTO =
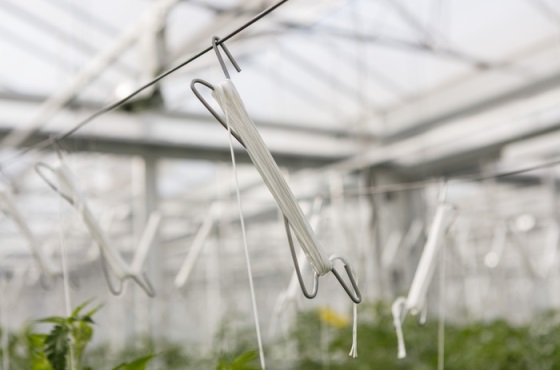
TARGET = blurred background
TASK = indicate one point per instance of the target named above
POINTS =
(366, 105)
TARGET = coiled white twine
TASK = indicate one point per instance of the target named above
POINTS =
(228, 98)
(238, 120)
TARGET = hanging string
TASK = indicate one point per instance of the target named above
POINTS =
(397, 310)
(354, 350)
(243, 233)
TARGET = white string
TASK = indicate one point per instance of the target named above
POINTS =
(397, 310)
(219, 92)
(426, 267)
(228, 98)
(354, 349)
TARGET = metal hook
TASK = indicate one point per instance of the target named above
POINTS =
(296, 266)
(58, 147)
(114, 290)
(210, 109)
(39, 169)
(145, 284)
(355, 296)
(215, 43)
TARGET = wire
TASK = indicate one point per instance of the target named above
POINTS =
(479, 176)
(55, 139)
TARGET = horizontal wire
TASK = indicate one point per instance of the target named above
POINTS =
(475, 177)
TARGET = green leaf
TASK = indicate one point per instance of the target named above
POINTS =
(138, 364)
(241, 361)
(94, 311)
(78, 309)
(53, 320)
(56, 347)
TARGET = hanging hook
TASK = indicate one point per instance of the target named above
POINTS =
(67, 190)
(355, 296)
(40, 168)
(296, 266)
(215, 43)
(210, 109)
(114, 289)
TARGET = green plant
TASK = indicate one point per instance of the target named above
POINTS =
(66, 342)
(241, 362)
(138, 364)
(64, 346)
(490, 345)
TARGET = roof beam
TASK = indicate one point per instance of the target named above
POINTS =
(178, 135)
(49, 108)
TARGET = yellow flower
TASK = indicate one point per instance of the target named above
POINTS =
(332, 318)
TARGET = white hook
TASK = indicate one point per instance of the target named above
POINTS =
(428, 261)
(415, 302)
(63, 183)
(196, 247)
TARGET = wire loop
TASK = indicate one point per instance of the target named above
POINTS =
(296, 266)
(215, 41)
(209, 107)
(356, 295)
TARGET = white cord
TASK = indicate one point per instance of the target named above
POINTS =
(426, 266)
(354, 349)
(228, 98)
(196, 247)
(219, 92)
(397, 310)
